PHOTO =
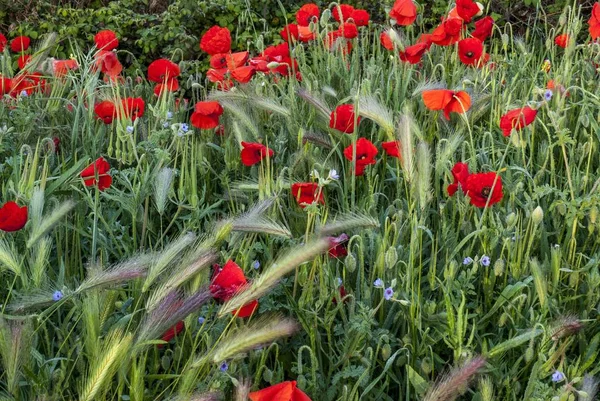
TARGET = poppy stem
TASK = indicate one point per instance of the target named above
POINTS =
(95, 228)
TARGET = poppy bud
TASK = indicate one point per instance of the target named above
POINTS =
(529, 353)
(272, 65)
(593, 215)
(537, 215)
(511, 220)
(386, 351)
(325, 17)
(350, 263)
(426, 365)
(391, 257)
(267, 375)
(503, 319)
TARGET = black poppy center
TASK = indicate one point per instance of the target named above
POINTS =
(469, 54)
(486, 191)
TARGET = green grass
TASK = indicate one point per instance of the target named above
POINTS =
(133, 260)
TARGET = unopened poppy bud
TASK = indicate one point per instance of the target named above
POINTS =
(267, 375)
(272, 65)
(426, 365)
(511, 219)
(562, 19)
(391, 257)
(350, 263)
(301, 381)
(529, 353)
(165, 362)
(537, 215)
(325, 17)
(593, 215)
(386, 351)
(480, 13)
(502, 320)
(196, 85)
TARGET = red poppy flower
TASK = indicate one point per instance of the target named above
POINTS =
(305, 34)
(594, 22)
(339, 246)
(365, 154)
(467, 9)
(448, 32)
(252, 153)
(483, 28)
(172, 332)
(216, 40)
(286, 391)
(447, 100)
(289, 32)
(62, 67)
(106, 40)
(20, 44)
(133, 107)
(307, 193)
(517, 119)
(162, 70)
(348, 30)
(56, 141)
(23, 60)
(404, 12)
(360, 17)
(342, 119)
(345, 10)
(386, 41)
(484, 189)
(3, 42)
(393, 149)
(307, 13)
(105, 111)
(413, 54)
(206, 115)
(460, 172)
(100, 168)
(470, 51)
(243, 74)
(225, 284)
(562, 40)
(12, 217)
(109, 63)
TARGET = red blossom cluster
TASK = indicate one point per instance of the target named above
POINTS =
(452, 30)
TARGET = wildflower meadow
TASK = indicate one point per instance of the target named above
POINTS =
(355, 210)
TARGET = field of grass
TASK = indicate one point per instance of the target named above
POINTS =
(442, 244)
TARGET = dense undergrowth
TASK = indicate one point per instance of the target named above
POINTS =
(398, 204)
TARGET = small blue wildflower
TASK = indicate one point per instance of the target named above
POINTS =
(485, 261)
(24, 93)
(388, 293)
(165, 125)
(339, 281)
(256, 264)
(184, 127)
(333, 175)
(201, 320)
(467, 261)
(224, 366)
(558, 376)
(169, 115)
(548, 95)
(57, 296)
(129, 129)
(378, 283)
